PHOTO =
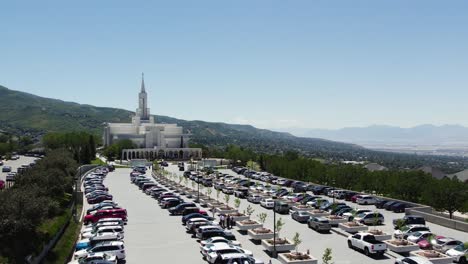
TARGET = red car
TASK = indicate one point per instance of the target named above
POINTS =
(424, 244)
(110, 213)
(355, 197)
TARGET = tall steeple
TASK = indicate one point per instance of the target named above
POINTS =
(143, 110)
(143, 82)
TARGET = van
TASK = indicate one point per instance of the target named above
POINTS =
(282, 207)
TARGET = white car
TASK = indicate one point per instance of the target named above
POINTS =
(113, 248)
(220, 239)
(412, 260)
(458, 253)
(366, 199)
(408, 230)
(418, 236)
(207, 248)
(254, 198)
(91, 228)
(96, 258)
(222, 248)
(104, 229)
(239, 258)
(293, 196)
(356, 212)
(268, 203)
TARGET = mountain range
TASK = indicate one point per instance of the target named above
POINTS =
(380, 134)
(26, 114)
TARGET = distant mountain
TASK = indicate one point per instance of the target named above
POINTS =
(26, 114)
(378, 134)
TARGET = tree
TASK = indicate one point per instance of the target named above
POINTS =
(262, 217)
(227, 197)
(237, 203)
(250, 210)
(297, 241)
(447, 195)
(327, 256)
(279, 225)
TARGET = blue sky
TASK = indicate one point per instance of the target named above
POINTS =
(272, 64)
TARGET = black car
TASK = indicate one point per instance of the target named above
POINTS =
(399, 207)
(241, 192)
(388, 205)
(318, 190)
(410, 220)
(214, 233)
(195, 215)
(180, 208)
(380, 203)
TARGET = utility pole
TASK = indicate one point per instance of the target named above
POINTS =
(274, 229)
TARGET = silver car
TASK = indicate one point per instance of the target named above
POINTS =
(320, 224)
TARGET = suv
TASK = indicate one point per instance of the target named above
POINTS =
(409, 220)
(113, 248)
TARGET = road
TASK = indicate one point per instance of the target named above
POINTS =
(15, 164)
(151, 235)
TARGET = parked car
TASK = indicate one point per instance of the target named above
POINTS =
(212, 251)
(267, 203)
(388, 205)
(194, 215)
(412, 260)
(459, 253)
(98, 238)
(367, 243)
(409, 220)
(218, 240)
(366, 199)
(408, 230)
(419, 235)
(370, 218)
(96, 258)
(444, 244)
(99, 198)
(114, 248)
(320, 224)
(180, 208)
(6, 169)
(254, 198)
(216, 233)
(241, 192)
(282, 207)
(104, 229)
(380, 203)
(109, 213)
(428, 243)
(237, 258)
(301, 216)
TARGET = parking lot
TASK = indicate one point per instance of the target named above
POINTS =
(317, 242)
(15, 164)
(152, 235)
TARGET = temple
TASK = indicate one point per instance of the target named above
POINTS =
(152, 140)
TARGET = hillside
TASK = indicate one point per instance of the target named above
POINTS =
(27, 114)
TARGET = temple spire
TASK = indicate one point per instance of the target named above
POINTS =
(143, 83)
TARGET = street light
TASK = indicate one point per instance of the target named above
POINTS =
(198, 184)
(274, 229)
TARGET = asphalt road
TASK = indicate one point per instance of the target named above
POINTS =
(151, 235)
(15, 164)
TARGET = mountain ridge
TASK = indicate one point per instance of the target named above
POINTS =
(27, 114)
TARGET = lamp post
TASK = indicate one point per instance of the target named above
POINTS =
(198, 185)
(274, 229)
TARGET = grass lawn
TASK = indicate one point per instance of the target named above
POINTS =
(98, 162)
(64, 247)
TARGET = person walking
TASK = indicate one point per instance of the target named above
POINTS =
(231, 222)
(221, 220)
(228, 221)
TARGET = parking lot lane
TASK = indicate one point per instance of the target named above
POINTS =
(151, 235)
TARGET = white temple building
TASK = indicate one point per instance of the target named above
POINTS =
(153, 140)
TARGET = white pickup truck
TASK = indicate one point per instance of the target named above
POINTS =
(367, 243)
